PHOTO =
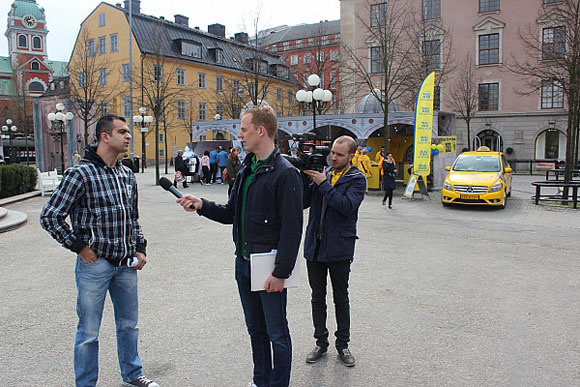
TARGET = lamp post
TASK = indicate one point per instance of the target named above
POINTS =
(57, 120)
(317, 96)
(143, 120)
(10, 130)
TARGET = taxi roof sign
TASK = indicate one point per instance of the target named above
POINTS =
(483, 149)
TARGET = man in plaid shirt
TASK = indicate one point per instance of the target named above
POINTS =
(100, 195)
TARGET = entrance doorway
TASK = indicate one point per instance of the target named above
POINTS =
(489, 138)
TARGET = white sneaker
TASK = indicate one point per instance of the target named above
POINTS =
(251, 384)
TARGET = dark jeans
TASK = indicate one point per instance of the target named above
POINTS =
(230, 190)
(213, 171)
(339, 273)
(222, 174)
(205, 171)
(265, 315)
(388, 194)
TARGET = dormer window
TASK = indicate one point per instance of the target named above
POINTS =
(34, 66)
(217, 54)
(37, 43)
(191, 49)
(22, 41)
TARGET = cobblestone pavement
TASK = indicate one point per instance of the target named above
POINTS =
(456, 296)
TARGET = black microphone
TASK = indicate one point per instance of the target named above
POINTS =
(166, 184)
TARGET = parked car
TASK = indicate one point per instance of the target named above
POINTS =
(481, 177)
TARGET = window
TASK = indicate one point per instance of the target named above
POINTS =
(201, 80)
(307, 58)
(279, 94)
(219, 56)
(264, 91)
(81, 80)
(102, 45)
(376, 60)
(320, 56)
(104, 108)
(489, 96)
(237, 88)
(286, 45)
(378, 14)
(553, 42)
(290, 96)
(431, 9)
(102, 20)
(219, 83)
(324, 39)
(432, 53)
(552, 147)
(114, 42)
(489, 49)
(126, 107)
(334, 55)
(181, 110)
(299, 42)
(201, 111)
(126, 72)
(36, 43)
(91, 47)
(488, 5)
(552, 95)
(180, 77)
(161, 138)
(22, 41)
(332, 83)
(102, 77)
(34, 66)
(437, 98)
(310, 41)
(191, 49)
(161, 151)
(157, 73)
(219, 109)
(293, 60)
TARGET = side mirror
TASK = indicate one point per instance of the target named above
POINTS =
(448, 168)
(508, 170)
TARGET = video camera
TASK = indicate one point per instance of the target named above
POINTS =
(310, 156)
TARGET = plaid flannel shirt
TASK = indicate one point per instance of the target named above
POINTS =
(102, 204)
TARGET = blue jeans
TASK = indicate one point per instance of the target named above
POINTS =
(93, 280)
(265, 315)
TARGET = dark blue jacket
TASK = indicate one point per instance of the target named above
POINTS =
(273, 218)
(339, 227)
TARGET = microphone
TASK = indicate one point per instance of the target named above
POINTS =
(166, 184)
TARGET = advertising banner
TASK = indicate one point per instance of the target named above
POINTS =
(424, 127)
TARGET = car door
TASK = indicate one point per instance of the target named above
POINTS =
(507, 175)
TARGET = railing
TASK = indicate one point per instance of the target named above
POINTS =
(535, 167)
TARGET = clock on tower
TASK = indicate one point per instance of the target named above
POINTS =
(29, 21)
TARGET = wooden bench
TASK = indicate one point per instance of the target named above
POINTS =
(557, 198)
(48, 181)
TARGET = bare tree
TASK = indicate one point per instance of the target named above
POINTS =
(90, 85)
(229, 100)
(465, 96)
(388, 52)
(552, 62)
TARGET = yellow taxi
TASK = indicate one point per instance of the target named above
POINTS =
(480, 178)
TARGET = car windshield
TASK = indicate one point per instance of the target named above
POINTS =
(477, 163)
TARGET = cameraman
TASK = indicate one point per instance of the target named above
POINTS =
(334, 198)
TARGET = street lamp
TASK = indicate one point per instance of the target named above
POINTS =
(143, 119)
(317, 96)
(57, 121)
(10, 130)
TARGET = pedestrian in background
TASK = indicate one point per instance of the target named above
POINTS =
(213, 166)
(334, 198)
(100, 195)
(390, 171)
(205, 168)
(180, 166)
(233, 165)
(222, 157)
(365, 165)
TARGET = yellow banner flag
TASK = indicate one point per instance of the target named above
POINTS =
(424, 127)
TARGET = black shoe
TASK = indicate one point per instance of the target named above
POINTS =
(390, 207)
(316, 354)
(142, 381)
(346, 357)
(383, 203)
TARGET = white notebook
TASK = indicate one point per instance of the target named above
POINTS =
(262, 266)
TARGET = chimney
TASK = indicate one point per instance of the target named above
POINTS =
(118, 5)
(182, 20)
(161, 17)
(242, 37)
(136, 6)
(217, 29)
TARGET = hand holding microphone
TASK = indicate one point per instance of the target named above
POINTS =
(190, 203)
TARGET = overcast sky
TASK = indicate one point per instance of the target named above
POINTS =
(63, 17)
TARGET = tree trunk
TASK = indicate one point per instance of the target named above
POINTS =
(156, 150)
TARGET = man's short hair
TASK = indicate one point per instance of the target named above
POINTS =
(263, 115)
(105, 125)
(352, 145)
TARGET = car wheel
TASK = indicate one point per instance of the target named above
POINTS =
(504, 203)
(445, 204)
(509, 193)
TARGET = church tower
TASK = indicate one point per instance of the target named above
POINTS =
(26, 35)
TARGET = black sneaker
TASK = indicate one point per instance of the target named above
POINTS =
(346, 357)
(142, 381)
(316, 354)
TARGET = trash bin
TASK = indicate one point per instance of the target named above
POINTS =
(136, 163)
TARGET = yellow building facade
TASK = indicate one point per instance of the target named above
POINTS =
(180, 74)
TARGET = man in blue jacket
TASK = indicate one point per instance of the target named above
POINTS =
(213, 165)
(334, 198)
(222, 158)
(265, 208)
